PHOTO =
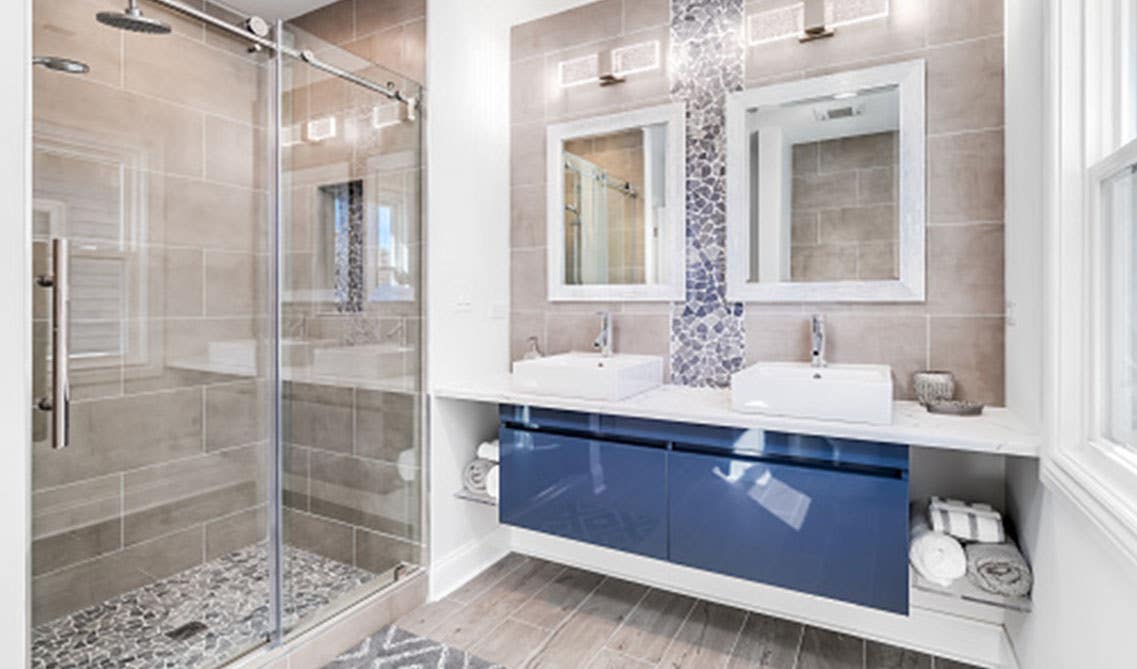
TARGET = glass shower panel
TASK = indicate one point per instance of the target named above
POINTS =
(351, 308)
(149, 527)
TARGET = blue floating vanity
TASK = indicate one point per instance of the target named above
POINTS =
(822, 515)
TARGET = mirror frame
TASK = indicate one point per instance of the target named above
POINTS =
(673, 230)
(910, 287)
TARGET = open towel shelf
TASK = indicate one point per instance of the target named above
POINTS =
(964, 589)
(475, 497)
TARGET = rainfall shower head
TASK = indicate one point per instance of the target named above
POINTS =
(133, 20)
(61, 64)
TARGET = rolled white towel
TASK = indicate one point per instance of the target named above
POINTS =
(474, 475)
(493, 482)
(999, 568)
(490, 450)
(934, 555)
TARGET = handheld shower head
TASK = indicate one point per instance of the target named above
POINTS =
(61, 64)
(133, 20)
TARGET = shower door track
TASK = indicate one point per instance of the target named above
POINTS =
(307, 56)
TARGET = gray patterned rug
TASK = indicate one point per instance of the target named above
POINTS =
(394, 648)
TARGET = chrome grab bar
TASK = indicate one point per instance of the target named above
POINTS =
(59, 403)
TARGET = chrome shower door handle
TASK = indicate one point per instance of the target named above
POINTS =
(59, 403)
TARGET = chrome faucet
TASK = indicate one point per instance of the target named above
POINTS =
(603, 341)
(817, 340)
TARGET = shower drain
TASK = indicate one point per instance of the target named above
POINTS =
(187, 631)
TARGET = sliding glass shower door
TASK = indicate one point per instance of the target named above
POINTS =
(180, 240)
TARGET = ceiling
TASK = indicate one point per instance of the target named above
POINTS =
(276, 9)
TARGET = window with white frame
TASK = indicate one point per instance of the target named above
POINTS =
(1093, 228)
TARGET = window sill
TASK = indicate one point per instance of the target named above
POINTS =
(1111, 508)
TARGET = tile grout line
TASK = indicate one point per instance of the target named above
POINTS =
(553, 632)
(619, 626)
(800, 644)
(737, 639)
(687, 617)
(509, 616)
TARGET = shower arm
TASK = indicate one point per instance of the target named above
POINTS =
(306, 56)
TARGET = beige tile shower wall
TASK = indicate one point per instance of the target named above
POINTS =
(959, 327)
(157, 173)
(353, 457)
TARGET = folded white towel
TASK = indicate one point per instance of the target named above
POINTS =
(999, 568)
(934, 555)
(969, 522)
(490, 450)
(493, 482)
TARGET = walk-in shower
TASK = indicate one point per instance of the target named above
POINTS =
(227, 333)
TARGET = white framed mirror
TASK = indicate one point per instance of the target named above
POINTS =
(616, 216)
(826, 188)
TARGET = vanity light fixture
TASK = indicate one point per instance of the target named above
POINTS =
(624, 61)
(845, 96)
(577, 71)
(811, 19)
(320, 129)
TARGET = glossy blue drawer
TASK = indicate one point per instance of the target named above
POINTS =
(602, 492)
(824, 531)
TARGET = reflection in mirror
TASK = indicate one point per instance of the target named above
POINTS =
(611, 212)
(825, 188)
(838, 159)
(616, 206)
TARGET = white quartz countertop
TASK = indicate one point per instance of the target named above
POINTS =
(997, 431)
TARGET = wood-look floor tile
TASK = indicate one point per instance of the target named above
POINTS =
(556, 601)
(610, 659)
(485, 580)
(822, 649)
(487, 611)
(882, 656)
(510, 644)
(648, 631)
(766, 643)
(427, 618)
(706, 638)
(590, 626)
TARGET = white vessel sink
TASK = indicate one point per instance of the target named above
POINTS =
(589, 375)
(852, 393)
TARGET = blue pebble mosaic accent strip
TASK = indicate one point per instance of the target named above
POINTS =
(708, 336)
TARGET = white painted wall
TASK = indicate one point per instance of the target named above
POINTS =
(1085, 592)
(15, 333)
(467, 214)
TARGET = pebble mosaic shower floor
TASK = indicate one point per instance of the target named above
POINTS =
(228, 595)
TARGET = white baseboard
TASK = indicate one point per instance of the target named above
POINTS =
(960, 638)
(449, 572)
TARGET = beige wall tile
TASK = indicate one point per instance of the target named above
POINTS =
(77, 587)
(859, 152)
(235, 531)
(965, 86)
(776, 338)
(319, 416)
(972, 350)
(365, 493)
(334, 23)
(192, 78)
(859, 224)
(640, 14)
(965, 269)
(527, 148)
(571, 332)
(899, 341)
(965, 177)
(192, 491)
(527, 279)
(318, 535)
(951, 20)
(375, 15)
(117, 434)
(590, 23)
(63, 27)
(528, 216)
(528, 90)
(825, 190)
(162, 136)
(202, 214)
(386, 426)
(236, 284)
(82, 541)
(236, 414)
(378, 553)
(236, 154)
